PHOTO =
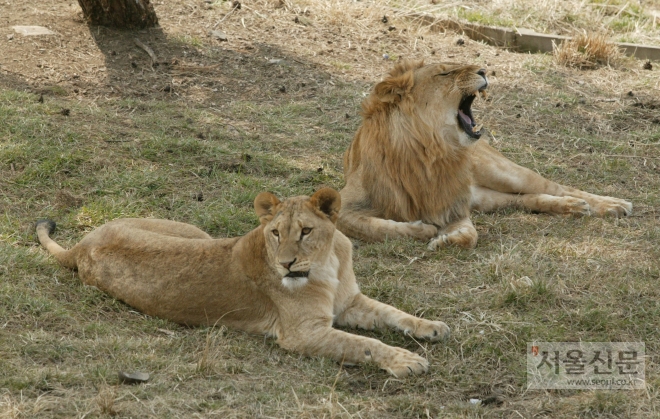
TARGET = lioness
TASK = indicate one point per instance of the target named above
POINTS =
(416, 168)
(291, 278)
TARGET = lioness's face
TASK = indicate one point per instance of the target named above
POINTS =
(446, 92)
(298, 231)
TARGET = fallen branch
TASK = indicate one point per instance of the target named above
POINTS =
(146, 49)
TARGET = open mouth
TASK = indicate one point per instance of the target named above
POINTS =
(465, 118)
(297, 274)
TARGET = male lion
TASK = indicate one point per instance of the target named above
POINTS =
(416, 168)
(291, 278)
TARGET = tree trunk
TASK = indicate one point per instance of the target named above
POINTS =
(129, 14)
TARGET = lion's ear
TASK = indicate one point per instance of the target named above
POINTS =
(328, 201)
(394, 88)
(264, 206)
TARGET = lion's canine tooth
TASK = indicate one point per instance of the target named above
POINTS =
(483, 94)
(477, 128)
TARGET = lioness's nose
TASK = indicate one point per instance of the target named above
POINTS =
(287, 265)
(482, 73)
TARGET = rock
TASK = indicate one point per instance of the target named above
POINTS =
(32, 30)
(133, 378)
(385, 19)
(303, 21)
(218, 35)
(460, 41)
(647, 65)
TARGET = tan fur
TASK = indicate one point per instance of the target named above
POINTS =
(411, 170)
(177, 272)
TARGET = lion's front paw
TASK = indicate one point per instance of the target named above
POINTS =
(422, 231)
(463, 237)
(431, 331)
(608, 206)
(401, 363)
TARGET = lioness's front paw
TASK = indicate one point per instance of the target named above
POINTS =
(402, 363)
(430, 330)
(574, 206)
(463, 237)
(608, 206)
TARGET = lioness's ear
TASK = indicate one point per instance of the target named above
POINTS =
(264, 206)
(394, 88)
(328, 201)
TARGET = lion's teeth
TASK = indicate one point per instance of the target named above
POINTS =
(477, 128)
(483, 94)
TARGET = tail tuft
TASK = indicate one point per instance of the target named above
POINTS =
(49, 225)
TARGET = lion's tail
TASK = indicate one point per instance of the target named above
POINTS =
(63, 256)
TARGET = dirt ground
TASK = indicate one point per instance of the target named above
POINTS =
(195, 134)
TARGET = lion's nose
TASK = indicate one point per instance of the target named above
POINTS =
(287, 265)
(482, 73)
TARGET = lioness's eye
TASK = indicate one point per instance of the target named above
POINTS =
(275, 233)
(305, 231)
(443, 74)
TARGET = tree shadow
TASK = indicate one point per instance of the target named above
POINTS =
(203, 70)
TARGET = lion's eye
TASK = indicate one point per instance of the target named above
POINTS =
(305, 231)
(276, 233)
(443, 74)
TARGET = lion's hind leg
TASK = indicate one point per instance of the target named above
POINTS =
(488, 200)
(368, 314)
(373, 229)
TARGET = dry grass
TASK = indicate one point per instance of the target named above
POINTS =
(621, 20)
(587, 51)
(226, 129)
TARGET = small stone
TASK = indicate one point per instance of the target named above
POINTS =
(631, 94)
(391, 28)
(385, 19)
(133, 378)
(10, 36)
(32, 30)
(133, 64)
(647, 65)
(65, 112)
(303, 21)
(218, 35)
(460, 41)
(282, 89)
(275, 61)
(236, 5)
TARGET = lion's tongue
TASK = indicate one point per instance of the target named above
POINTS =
(465, 118)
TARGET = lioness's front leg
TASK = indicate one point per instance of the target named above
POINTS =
(492, 171)
(352, 349)
(460, 233)
(365, 313)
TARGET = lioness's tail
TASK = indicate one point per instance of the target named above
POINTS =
(64, 257)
